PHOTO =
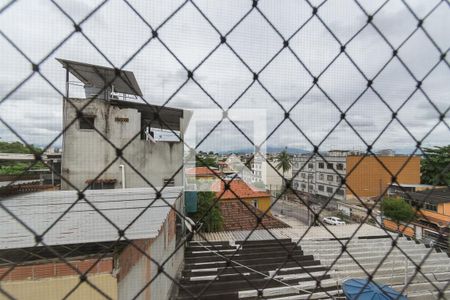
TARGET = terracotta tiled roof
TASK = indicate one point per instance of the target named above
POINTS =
(202, 171)
(241, 189)
(236, 216)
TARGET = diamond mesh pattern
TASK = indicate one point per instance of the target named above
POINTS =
(386, 48)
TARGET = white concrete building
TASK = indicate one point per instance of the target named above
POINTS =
(107, 123)
(315, 176)
(265, 173)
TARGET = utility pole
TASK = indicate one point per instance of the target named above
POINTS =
(307, 202)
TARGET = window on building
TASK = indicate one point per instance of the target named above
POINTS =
(310, 165)
(303, 175)
(329, 166)
(303, 186)
(169, 182)
(310, 176)
(329, 189)
(321, 165)
(87, 122)
(429, 206)
(311, 188)
(338, 178)
(321, 188)
(340, 167)
(340, 192)
(255, 203)
(321, 176)
(330, 177)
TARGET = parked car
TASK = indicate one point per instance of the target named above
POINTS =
(333, 221)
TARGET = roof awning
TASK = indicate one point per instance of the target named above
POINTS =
(99, 76)
(169, 117)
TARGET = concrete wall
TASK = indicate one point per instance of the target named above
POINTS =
(137, 270)
(58, 288)
(392, 226)
(86, 153)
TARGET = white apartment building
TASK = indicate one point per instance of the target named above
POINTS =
(318, 176)
(265, 173)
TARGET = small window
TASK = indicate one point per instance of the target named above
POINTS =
(321, 188)
(321, 176)
(338, 179)
(329, 166)
(310, 165)
(429, 206)
(255, 203)
(330, 177)
(87, 122)
(303, 186)
(169, 182)
(321, 165)
(303, 175)
(310, 175)
(340, 192)
(311, 188)
(329, 189)
(340, 167)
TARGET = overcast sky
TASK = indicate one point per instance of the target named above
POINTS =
(36, 27)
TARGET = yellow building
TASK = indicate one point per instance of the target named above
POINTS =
(370, 176)
(239, 189)
(432, 220)
(57, 280)
(435, 205)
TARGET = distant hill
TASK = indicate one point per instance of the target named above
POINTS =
(268, 150)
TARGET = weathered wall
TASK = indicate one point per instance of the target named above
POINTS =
(369, 178)
(55, 280)
(406, 230)
(86, 153)
(136, 269)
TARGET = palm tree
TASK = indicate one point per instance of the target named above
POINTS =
(284, 162)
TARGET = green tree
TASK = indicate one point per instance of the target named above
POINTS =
(398, 210)
(283, 161)
(204, 161)
(435, 166)
(213, 220)
(17, 168)
(17, 147)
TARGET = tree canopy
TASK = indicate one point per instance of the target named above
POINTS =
(283, 161)
(213, 220)
(13, 167)
(435, 165)
(17, 147)
(397, 209)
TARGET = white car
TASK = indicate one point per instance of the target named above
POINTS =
(333, 221)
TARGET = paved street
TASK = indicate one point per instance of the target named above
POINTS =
(290, 209)
(294, 213)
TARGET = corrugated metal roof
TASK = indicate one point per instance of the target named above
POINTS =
(315, 232)
(98, 76)
(82, 224)
(18, 182)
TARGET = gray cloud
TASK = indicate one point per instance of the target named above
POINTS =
(37, 26)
